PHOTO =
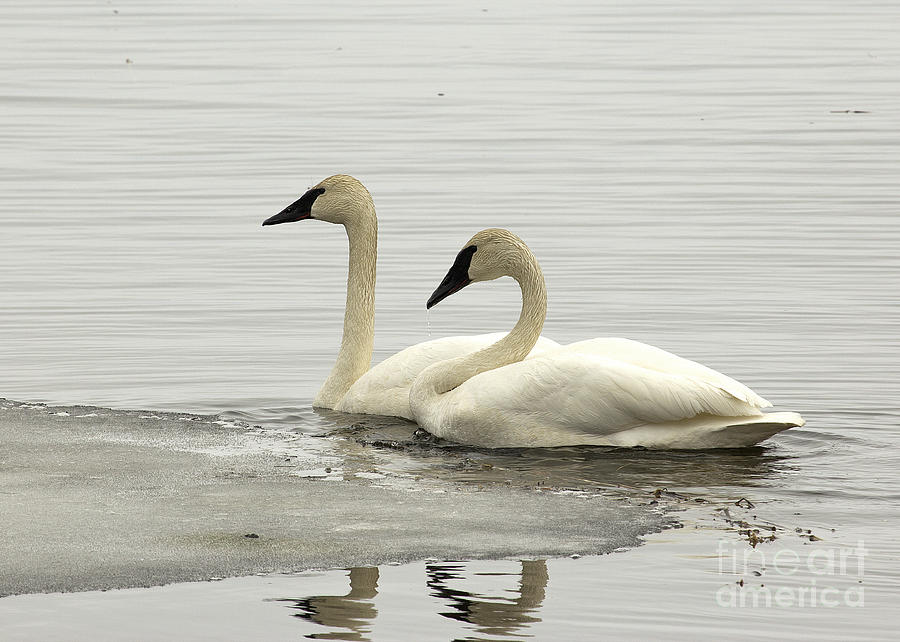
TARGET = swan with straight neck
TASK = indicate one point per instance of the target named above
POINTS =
(352, 386)
(344, 200)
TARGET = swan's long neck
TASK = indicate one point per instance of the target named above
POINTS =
(515, 346)
(355, 355)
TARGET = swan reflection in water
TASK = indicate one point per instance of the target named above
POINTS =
(352, 612)
(494, 616)
(367, 438)
(350, 616)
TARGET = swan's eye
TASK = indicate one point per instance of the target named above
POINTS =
(466, 254)
(460, 267)
(464, 261)
(457, 278)
(298, 210)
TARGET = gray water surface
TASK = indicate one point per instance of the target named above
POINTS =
(717, 179)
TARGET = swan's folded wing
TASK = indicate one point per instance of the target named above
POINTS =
(384, 390)
(653, 358)
(546, 399)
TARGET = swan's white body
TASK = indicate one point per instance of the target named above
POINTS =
(384, 390)
(351, 386)
(613, 392)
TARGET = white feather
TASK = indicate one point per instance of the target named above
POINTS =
(607, 391)
(352, 386)
(384, 390)
(566, 397)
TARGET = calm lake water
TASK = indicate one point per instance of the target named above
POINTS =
(717, 179)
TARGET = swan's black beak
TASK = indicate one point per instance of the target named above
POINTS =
(457, 278)
(298, 210)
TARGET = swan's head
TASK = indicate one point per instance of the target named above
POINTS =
(338, 199)
(488, 255)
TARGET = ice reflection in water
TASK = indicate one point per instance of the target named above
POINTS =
(352, 612)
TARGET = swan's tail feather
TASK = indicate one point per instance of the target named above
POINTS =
(707, 431)
(754, 429)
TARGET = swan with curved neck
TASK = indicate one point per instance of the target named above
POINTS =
(352, 386)
(613, 392)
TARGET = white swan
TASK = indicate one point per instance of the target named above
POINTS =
(351, 386)
(603, 391)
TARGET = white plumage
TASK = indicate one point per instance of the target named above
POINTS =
(352, 386)
(384, 390)
(607, 391)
